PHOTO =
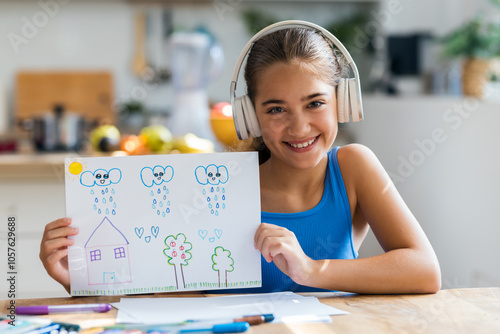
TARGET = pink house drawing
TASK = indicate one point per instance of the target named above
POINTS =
(107, 255)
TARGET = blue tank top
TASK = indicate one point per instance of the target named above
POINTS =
(324, 232)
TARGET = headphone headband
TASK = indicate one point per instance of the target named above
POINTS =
(285, 25)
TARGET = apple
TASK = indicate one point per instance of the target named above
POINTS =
(157, 138)
(105, 138)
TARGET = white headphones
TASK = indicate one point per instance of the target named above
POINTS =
(348, 89)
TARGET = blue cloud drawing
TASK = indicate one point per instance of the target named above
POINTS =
(101, 177)
(211, 174)
(156, 175)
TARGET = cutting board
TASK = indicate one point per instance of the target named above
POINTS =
(89, 93)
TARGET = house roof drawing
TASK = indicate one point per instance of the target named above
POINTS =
(106, 234)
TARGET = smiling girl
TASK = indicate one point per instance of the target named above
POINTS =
(318, 203)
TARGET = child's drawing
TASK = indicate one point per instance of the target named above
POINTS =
(154, 177)
(213, 177)
(104, 197)
(107, 255)
(146, 215)
(178, 254)
(222, 261)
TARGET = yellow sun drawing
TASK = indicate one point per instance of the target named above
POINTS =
(74, 167)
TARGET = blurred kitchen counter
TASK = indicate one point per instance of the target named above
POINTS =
(37, 165)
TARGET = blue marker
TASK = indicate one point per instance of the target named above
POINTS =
(235, 327)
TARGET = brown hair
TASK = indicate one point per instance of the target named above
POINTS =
(290, 46)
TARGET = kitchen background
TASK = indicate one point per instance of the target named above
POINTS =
(438, 145)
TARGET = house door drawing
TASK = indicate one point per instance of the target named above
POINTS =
(109, 277)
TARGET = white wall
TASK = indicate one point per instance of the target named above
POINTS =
(443, 156)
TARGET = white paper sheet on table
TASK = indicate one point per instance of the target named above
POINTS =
(285, 306)
(163, 223)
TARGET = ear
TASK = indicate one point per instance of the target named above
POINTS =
(224, 175)
(169, 174)
(201, 175)
(115, 175)
(147, 176)
(87, 179)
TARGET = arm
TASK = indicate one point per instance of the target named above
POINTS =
(54, 250)
(408, 265)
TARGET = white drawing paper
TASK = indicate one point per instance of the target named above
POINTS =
(162, 223)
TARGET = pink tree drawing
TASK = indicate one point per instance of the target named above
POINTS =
(178, 254)
(222, 261)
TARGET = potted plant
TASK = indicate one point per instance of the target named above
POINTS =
(477, 42)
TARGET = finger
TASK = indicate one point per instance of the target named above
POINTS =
(50, 246)
(55, 257)
(58, 223)
(61, 232)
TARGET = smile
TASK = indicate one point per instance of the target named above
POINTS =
(304, 144)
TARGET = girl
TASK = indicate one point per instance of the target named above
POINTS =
(317, 203)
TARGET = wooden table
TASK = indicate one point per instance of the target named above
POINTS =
(474, 310)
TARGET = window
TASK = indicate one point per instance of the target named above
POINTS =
(119, 252)
(95, 255)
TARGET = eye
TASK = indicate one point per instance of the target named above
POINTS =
(98, 176)
(218, 174)
(275, 110)
(161, 174)
(156, 174)
(315, 104)
(106, 176)
(210, 174)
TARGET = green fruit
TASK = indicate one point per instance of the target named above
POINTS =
(157, 138)
(105, 138)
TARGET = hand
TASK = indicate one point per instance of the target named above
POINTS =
(54, 249)
(280, 245)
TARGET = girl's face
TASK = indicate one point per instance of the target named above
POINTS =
(297, 113)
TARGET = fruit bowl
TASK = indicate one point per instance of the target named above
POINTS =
(221, 121)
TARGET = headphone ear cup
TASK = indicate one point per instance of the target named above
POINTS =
(239, 118)
(355, 101)
(342, 101)
(251, 118)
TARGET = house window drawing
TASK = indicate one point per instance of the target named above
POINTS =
(95, 255)
(107, 255)
(119, 252)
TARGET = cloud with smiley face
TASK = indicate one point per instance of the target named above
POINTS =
(101, 177)
(156, 175)
(212, 174)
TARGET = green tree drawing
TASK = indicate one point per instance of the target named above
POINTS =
(222, 261)
(178, 254)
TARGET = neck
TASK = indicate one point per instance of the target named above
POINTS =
(287, 189)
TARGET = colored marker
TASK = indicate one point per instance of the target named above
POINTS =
(50, 309)
(234, 327)
(256, 319)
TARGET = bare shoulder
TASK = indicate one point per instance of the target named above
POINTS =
(360, 167)
(355, 156)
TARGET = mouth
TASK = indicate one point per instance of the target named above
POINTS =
(302, 144)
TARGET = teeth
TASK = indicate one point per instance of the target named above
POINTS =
(302, 145)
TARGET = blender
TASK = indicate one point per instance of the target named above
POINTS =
(196, 59)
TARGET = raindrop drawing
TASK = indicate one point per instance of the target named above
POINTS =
(104, 200)
(213, 178)
(156, 178)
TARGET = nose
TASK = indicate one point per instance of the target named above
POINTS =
(298, 124)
